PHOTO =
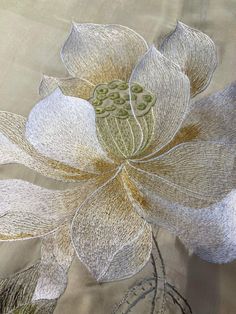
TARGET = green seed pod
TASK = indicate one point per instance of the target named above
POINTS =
(123, 86)
(99, 110)
(110, 108)
(96, 102)
(102, 90)
(122, 113)
(112, 85)
(127, 97)
(136, 88)
(119, 101)
(141, 106)
(147, 98)
(127, 107)
(114, 95)
(115, 100)
(101, 96)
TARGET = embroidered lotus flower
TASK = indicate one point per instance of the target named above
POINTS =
(124, 127)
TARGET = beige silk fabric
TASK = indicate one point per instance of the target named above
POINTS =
(33, 33)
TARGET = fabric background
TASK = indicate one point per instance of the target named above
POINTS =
(32, 33)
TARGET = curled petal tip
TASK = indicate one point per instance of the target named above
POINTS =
(73, 24)
(194, 51)
(180, 24)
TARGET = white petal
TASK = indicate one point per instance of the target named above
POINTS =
(103, 230)
(47, 85)
(28, 211)
(56, 256)
(10, 153)
(102, 53)
(70, 86)
(208, 231)
(214, 116)
(14, 148)
(171, 88)
(213, 231)
(201, 170)
(63, 128)
(132, 258)
(195, 52)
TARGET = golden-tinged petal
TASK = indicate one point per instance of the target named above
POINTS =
(57, 253)
(211, 118)
(106, 227)
(165, 80)
(70, 86)
(29, 211)
(132, 258)
(204, 169)
(17, 290)
(195, 52)
(101, 53)
(143, 183)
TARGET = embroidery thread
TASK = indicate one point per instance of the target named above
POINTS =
(125, 128)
